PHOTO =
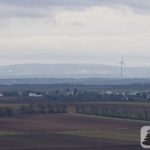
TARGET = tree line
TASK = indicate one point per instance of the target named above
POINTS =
(32, 108)
(114, 112)
(47, 107)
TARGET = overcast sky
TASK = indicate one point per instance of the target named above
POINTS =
(75, 31)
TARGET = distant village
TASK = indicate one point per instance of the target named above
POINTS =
(78, 95)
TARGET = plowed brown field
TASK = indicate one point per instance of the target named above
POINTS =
(69, 132)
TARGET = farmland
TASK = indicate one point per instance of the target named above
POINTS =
(71, 118)
(68, 131)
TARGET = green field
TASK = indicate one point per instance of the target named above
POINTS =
(9, 133)
(111, 135)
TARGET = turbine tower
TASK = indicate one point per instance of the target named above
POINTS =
(121, 67)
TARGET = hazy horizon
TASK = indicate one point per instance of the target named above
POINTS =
(80, 63)
(72, 70)
(81, 31)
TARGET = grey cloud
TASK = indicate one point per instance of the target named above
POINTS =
(40, 8)
(144, 4)
(41, 3)
(23, 14)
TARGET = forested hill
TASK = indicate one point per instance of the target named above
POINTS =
(71, 71)
(74, 81)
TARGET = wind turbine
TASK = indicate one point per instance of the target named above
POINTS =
(121, 67)
(148, 74)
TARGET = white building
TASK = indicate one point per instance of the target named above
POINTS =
(35, 95)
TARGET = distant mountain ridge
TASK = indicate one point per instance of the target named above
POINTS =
(70, 71)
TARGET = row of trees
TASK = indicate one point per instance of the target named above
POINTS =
(41, 108)
(32, 108)
(6, 111)
(117, 113)
(46, 107)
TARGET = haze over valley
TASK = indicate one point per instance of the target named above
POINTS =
(71, 71)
